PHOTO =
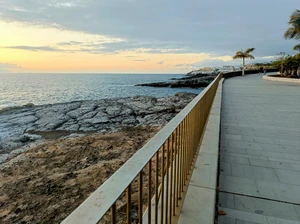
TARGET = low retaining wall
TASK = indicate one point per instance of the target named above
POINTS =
(279, 79)
(200, 201)
(247, 72)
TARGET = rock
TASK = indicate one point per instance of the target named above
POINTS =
(196, 81)
(97, 120)
(86, 116)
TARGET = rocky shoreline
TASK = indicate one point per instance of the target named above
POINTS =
(30, 124)
(194, 81)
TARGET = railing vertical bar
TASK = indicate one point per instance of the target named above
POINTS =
(175, 172)
(140, 209)
(183, 155)
(162, 185)
(156, 187)
(128, 199)
(179, 166)
(113, 210)
(149, 189)
(167, 179)
(171, 177)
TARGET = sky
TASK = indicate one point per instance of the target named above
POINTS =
(139, 36)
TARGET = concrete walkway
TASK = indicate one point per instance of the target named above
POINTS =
(260, 152)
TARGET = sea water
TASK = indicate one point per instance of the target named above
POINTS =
(17, 89)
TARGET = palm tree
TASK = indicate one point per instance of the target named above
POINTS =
(244, 54)
(293, 32)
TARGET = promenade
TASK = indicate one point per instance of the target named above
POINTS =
(259, 152)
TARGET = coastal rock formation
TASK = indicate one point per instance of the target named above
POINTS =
(19, 126)
(195, 81)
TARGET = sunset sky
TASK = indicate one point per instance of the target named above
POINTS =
(161, 36)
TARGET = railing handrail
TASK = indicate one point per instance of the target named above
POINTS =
(101, 200)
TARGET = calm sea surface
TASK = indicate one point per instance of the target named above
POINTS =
(21, 89)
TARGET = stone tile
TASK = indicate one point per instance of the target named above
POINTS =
(296, 166)
(245, 145)
(285, 160)
(273, 220)
(256, 173)
(245, 216)
(234, 159)
(198, 207)
(238, 221)
(226, 200)
(266, 207)
(297, 209)
(233, 150)
(279, 191)
(264, 153)
(258, 139)
(226, 220)
(292, 156)
(270, 164)
(205, 171)
(231, 137)
(238, 185)
(225, 168)
(289, 177)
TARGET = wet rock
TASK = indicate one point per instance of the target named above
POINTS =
(86, 116)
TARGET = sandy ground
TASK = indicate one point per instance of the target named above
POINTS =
(46, 183)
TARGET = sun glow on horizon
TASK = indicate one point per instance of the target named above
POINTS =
(41, 49)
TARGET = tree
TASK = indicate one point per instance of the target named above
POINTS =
(244, 54)
(293, 32)
(297, 47)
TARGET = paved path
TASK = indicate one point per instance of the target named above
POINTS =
(260, 152)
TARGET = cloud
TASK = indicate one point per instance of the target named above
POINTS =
(141, 60)
(192, 26)
(160, 62)
(69, 43)
(7, 67)
(34, 48)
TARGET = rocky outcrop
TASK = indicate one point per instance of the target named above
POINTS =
(195, 81)
(19, 126)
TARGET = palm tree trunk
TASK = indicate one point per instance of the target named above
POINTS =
(243, 70)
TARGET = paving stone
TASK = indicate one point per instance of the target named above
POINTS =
(225, 168)
(256, 173)
(234, 159)
(245, 216)
(226, 200)
(245, 145)
(226, 220)
(205, 171)
(270, 164)
(238, 185)
(265, 163)
(289, 177)
(258, 139)
(279, 191)
(264, 153)
(199, 206)
(266, 207)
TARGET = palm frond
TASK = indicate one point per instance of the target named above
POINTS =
(249, 56)
(297, 47)
(292, 33)
(249, 50)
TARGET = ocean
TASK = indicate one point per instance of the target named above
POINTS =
(45, 88)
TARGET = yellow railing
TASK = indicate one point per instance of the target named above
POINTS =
(150, 187)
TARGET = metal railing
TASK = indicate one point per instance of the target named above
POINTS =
(150, 187)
